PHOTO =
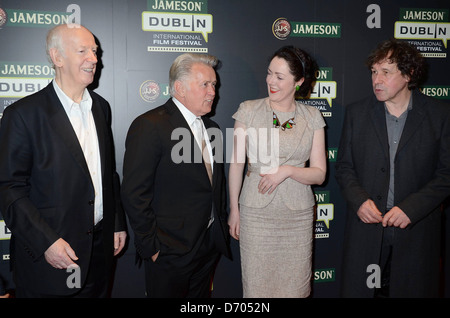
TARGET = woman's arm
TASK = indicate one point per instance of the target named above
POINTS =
(235, 176)
(313, 174)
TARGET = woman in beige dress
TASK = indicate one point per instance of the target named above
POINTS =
(272, 205)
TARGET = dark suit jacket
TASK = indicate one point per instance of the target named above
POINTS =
(46, 190)
(422, 182)
(168, 203)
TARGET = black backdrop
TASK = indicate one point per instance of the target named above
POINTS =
(139, 39)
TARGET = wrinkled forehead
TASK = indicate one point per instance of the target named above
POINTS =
(79, 36)
(201, 72)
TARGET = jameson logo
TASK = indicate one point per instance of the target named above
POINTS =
(324, 275)
(176, 6)
(407, 14)
(43, 18)
(177, 26)
(316, 29)
(322, 196)
(22, 69)
(439, 92)
(426, 29)
(283, 28)
(332, 154)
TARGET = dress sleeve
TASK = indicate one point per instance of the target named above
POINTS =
(243, 114)
(318, 121)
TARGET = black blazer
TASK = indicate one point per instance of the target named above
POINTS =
(169, 203)
(46, 191)
(422, 182)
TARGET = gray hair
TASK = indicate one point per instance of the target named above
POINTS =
(54, 39)
(181, 67)
(54, 42)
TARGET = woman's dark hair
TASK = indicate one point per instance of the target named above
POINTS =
(301, 64)
(409, 61)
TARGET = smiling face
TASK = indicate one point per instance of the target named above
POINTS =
(280, 82)
(197, 92)
(76, 62)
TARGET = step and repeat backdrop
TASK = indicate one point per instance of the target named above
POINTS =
(139, 39)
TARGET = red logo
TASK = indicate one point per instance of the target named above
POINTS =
(3, 17)
(281, 28)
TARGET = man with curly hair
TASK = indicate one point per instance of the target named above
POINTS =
(393, 168)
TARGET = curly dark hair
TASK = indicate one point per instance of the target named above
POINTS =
(409, 60)
(301, 64)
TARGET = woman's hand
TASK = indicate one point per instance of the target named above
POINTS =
(234, 223)
(269, 181)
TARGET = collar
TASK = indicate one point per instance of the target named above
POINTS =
(187, 114)
(410, 106)
(68, 103)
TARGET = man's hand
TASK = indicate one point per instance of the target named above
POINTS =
(369, 213)
(154, 257)
(396, 217)
(119, 241)
(60, 255)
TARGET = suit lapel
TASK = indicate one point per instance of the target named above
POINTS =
(378, 117)
(176, 117)
(177, 120)
(60, 123)
(100, 125)
(414, 119)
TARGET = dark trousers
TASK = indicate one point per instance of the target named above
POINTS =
(385, 262)
(96, 284)
(191, 281)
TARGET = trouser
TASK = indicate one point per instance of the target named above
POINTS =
(191, 281)
(96, 284)
(385, 262)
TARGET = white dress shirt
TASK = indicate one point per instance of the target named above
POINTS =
(190, 119)
(80, 116)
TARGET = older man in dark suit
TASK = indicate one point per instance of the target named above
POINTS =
(59, 190)
(394, 170)
(175, 203)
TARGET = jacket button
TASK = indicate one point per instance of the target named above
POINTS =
(91, 202)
